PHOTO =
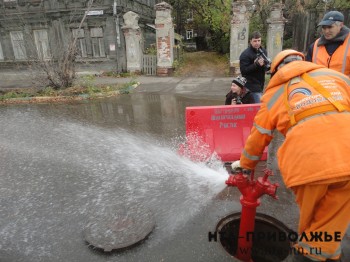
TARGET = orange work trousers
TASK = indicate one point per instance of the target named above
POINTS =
(324, 212)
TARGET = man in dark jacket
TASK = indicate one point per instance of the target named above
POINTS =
(253, 66)
(239, 94)
(332, 49)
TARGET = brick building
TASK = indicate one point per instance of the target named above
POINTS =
(32, 29)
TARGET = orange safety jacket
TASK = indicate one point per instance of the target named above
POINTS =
(339, 60)
(314, 117)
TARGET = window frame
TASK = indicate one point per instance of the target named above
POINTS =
(97, 42)
(18, 43)
(81, 42)
(44, 54)
(189, 34)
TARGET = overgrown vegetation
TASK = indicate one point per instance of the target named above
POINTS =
(151, 50)
(211, 18)
(118, 75)
(85, 89)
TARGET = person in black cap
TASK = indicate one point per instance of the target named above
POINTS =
(332, 49)
(239, 94)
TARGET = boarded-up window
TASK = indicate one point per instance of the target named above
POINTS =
(81, 42)
(42, 44)
(98, 47)
(18, 45)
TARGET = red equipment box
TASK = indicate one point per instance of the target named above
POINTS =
(223, 129)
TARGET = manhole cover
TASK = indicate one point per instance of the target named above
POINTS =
(120, 228)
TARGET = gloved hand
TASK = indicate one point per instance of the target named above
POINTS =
(236, 167)
(236, 164)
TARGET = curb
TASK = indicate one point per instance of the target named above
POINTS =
(51, 99)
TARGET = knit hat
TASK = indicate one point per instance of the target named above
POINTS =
(331, 17)
(240, 81)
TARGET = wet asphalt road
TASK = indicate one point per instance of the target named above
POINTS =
(64, 163)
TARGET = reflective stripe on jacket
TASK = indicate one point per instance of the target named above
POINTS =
(339, 60)
(317, 147)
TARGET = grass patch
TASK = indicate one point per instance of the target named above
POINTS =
(118, 75)
(14, 94)
(128, 87)
(84, 89)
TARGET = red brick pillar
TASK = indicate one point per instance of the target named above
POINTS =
(165, 39)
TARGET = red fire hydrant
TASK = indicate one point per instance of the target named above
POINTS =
(251, 191)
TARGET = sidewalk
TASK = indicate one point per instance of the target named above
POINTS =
(191, 86)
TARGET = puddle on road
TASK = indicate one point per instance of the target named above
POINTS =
(64, 163)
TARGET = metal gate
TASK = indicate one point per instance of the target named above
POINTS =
(149, 65)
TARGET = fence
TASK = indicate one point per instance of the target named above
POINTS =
(178, 53)
(149, 64)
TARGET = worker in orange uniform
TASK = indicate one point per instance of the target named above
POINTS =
(332, 49)
(310, 105)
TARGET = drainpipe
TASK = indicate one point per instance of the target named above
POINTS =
(117, 30)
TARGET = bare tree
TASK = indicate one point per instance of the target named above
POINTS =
(61, 74)
(55, 68)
